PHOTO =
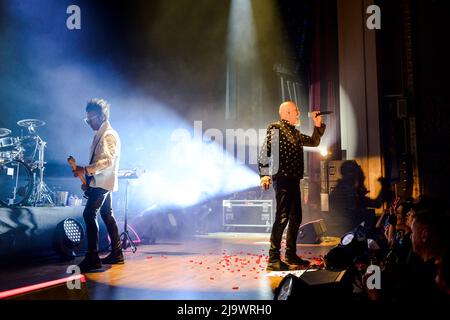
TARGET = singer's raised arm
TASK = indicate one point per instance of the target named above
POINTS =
(314, 140)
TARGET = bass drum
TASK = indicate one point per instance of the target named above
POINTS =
(16, 183)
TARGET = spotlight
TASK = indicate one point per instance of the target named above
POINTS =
(73, 232)
(355, 242)
(68, 236)
(347, 239)
(323, 152)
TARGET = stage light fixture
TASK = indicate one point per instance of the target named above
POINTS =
(355, 242)
(68, 236)
(347, 238)
(327, 284)
(286, 289)
(73, 232)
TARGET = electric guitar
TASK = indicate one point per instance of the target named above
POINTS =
(85, 180)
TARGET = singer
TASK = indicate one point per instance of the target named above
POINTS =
(281, 162)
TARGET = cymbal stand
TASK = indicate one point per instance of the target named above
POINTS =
(41, 193)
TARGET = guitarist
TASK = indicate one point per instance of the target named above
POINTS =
(101, 177)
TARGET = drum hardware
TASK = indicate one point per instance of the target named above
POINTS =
(41, 193)
(31, 124)
(8, 143)
(4, 132)
(9, 155)
(21, 176)
(9, 149)
(16, 182)
(26, 143)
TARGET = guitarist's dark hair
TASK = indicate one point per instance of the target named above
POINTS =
(99, 106)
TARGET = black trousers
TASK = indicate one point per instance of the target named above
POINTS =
(100, 200)
(289, 210)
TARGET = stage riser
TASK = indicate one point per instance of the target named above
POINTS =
(29, 232)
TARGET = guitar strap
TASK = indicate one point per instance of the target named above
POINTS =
(93, 151)
(88, 178)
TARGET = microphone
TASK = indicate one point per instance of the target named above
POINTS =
(321, 113)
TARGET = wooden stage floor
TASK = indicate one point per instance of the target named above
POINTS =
(216, 266)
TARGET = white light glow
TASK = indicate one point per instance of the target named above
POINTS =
(323, 151)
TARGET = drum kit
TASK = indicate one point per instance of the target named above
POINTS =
(22, 167)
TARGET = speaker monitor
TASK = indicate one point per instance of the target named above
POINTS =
(311, 232)
(325, 285)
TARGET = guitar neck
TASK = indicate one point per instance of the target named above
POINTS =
(73, 165)
(83, 180)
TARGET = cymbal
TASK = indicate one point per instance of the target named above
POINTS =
(4, 132)
(30, 123)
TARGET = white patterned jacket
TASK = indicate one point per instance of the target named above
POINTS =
(105, 155)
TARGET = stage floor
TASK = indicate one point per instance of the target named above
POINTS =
(215, 266)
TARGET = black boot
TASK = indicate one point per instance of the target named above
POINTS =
(90, 262)
(275, 263)
(296, 261)
(115, 257)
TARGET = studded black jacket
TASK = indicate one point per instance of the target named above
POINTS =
(282, 152)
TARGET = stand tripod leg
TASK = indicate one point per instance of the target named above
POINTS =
(41, 194)
(126, 241)
(125, 236)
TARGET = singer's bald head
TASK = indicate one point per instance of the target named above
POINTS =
(288, 111)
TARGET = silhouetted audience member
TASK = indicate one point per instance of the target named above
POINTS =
(416, 267)
(349, 203)
(396, 230)
(417, 278)
(443, 270)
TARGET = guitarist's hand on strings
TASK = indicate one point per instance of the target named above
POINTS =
(78, 172)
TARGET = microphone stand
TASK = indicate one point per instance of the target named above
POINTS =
(125, 236)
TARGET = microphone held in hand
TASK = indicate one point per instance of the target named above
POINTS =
(320, 113)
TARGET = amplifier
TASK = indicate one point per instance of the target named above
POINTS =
(248, 213)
